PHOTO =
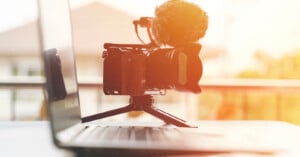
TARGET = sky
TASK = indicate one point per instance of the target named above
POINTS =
(16, 12)
(239, 27)
(271, 26)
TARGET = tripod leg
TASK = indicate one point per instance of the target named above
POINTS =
(168, 118)
(107, 113)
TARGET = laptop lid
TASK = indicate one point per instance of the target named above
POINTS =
(59, 59)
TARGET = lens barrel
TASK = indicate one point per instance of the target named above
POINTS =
(177, 68)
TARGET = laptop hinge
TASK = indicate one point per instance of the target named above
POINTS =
(70, 133)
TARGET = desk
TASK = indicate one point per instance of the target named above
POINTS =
(28, 139)
(32, 139)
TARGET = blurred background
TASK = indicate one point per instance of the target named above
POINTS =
(251, 58)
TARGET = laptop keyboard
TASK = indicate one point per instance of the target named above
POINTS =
(136, 133)
(170, 138)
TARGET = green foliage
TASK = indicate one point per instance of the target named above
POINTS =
(285, 67)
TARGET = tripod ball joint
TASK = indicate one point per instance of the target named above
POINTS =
(147, 100)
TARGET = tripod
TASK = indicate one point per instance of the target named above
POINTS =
(141, 103)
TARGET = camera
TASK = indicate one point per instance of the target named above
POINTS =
(147, 69)
(169, 61)
(140, 70)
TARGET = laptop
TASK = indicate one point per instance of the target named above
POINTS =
(70, 132)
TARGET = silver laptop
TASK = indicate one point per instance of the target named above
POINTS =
(69, 131)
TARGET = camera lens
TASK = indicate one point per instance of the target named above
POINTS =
(177, 68)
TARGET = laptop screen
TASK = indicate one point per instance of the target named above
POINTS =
(60, 71)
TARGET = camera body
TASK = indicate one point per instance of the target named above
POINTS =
(124, 70)
(131, 69)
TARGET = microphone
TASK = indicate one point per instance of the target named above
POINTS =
(178, 22)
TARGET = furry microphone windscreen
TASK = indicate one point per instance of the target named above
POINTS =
(178, 22)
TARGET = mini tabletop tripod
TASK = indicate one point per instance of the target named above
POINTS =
(141, 103)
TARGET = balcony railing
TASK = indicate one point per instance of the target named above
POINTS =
(216, 85)
(277, 85)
